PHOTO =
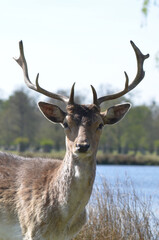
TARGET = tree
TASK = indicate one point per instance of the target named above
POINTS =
(137, 129)
(18, 118)
(111, 136)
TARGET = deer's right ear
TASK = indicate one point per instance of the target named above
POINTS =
(52, 112)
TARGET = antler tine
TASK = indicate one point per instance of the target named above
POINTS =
(23, 64)
(71, 98)
(95, 100)
(139, 76)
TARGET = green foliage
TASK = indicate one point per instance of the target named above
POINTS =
(145, 7)
(156, 145)
(22, 143)
(18, 118)
(47, 145)
(134, 132)
(147, 4)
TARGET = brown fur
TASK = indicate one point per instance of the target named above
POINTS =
(87, 112)
(48, 196)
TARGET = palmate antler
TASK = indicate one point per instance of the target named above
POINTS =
(70, 100)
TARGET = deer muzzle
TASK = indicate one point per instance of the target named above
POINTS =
(82, 147)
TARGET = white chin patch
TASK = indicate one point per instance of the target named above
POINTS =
(81, 155)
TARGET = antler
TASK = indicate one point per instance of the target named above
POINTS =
(22, 62)
(139, 76)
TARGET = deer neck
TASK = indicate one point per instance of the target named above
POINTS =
(75, 183)
(80, 167)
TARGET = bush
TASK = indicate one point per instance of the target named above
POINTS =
(47, 145)
(22, 143)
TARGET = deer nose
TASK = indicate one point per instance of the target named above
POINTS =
(82, 148)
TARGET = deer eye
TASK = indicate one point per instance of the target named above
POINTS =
(65, 124)
(101, 125)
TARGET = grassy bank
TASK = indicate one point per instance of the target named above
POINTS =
(104, 158)
(128, 159)
(119, 214)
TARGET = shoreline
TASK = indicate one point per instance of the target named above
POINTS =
(102, 158)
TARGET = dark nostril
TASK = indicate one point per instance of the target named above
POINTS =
(82, 147)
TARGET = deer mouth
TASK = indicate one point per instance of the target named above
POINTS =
(82, 150)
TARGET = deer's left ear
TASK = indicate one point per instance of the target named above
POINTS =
(115, 113)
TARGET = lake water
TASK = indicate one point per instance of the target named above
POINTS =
(145, 179)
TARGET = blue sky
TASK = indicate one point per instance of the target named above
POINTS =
(82, 41)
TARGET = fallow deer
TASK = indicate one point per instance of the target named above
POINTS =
(45, 199)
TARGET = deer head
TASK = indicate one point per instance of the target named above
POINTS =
(83, 123)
